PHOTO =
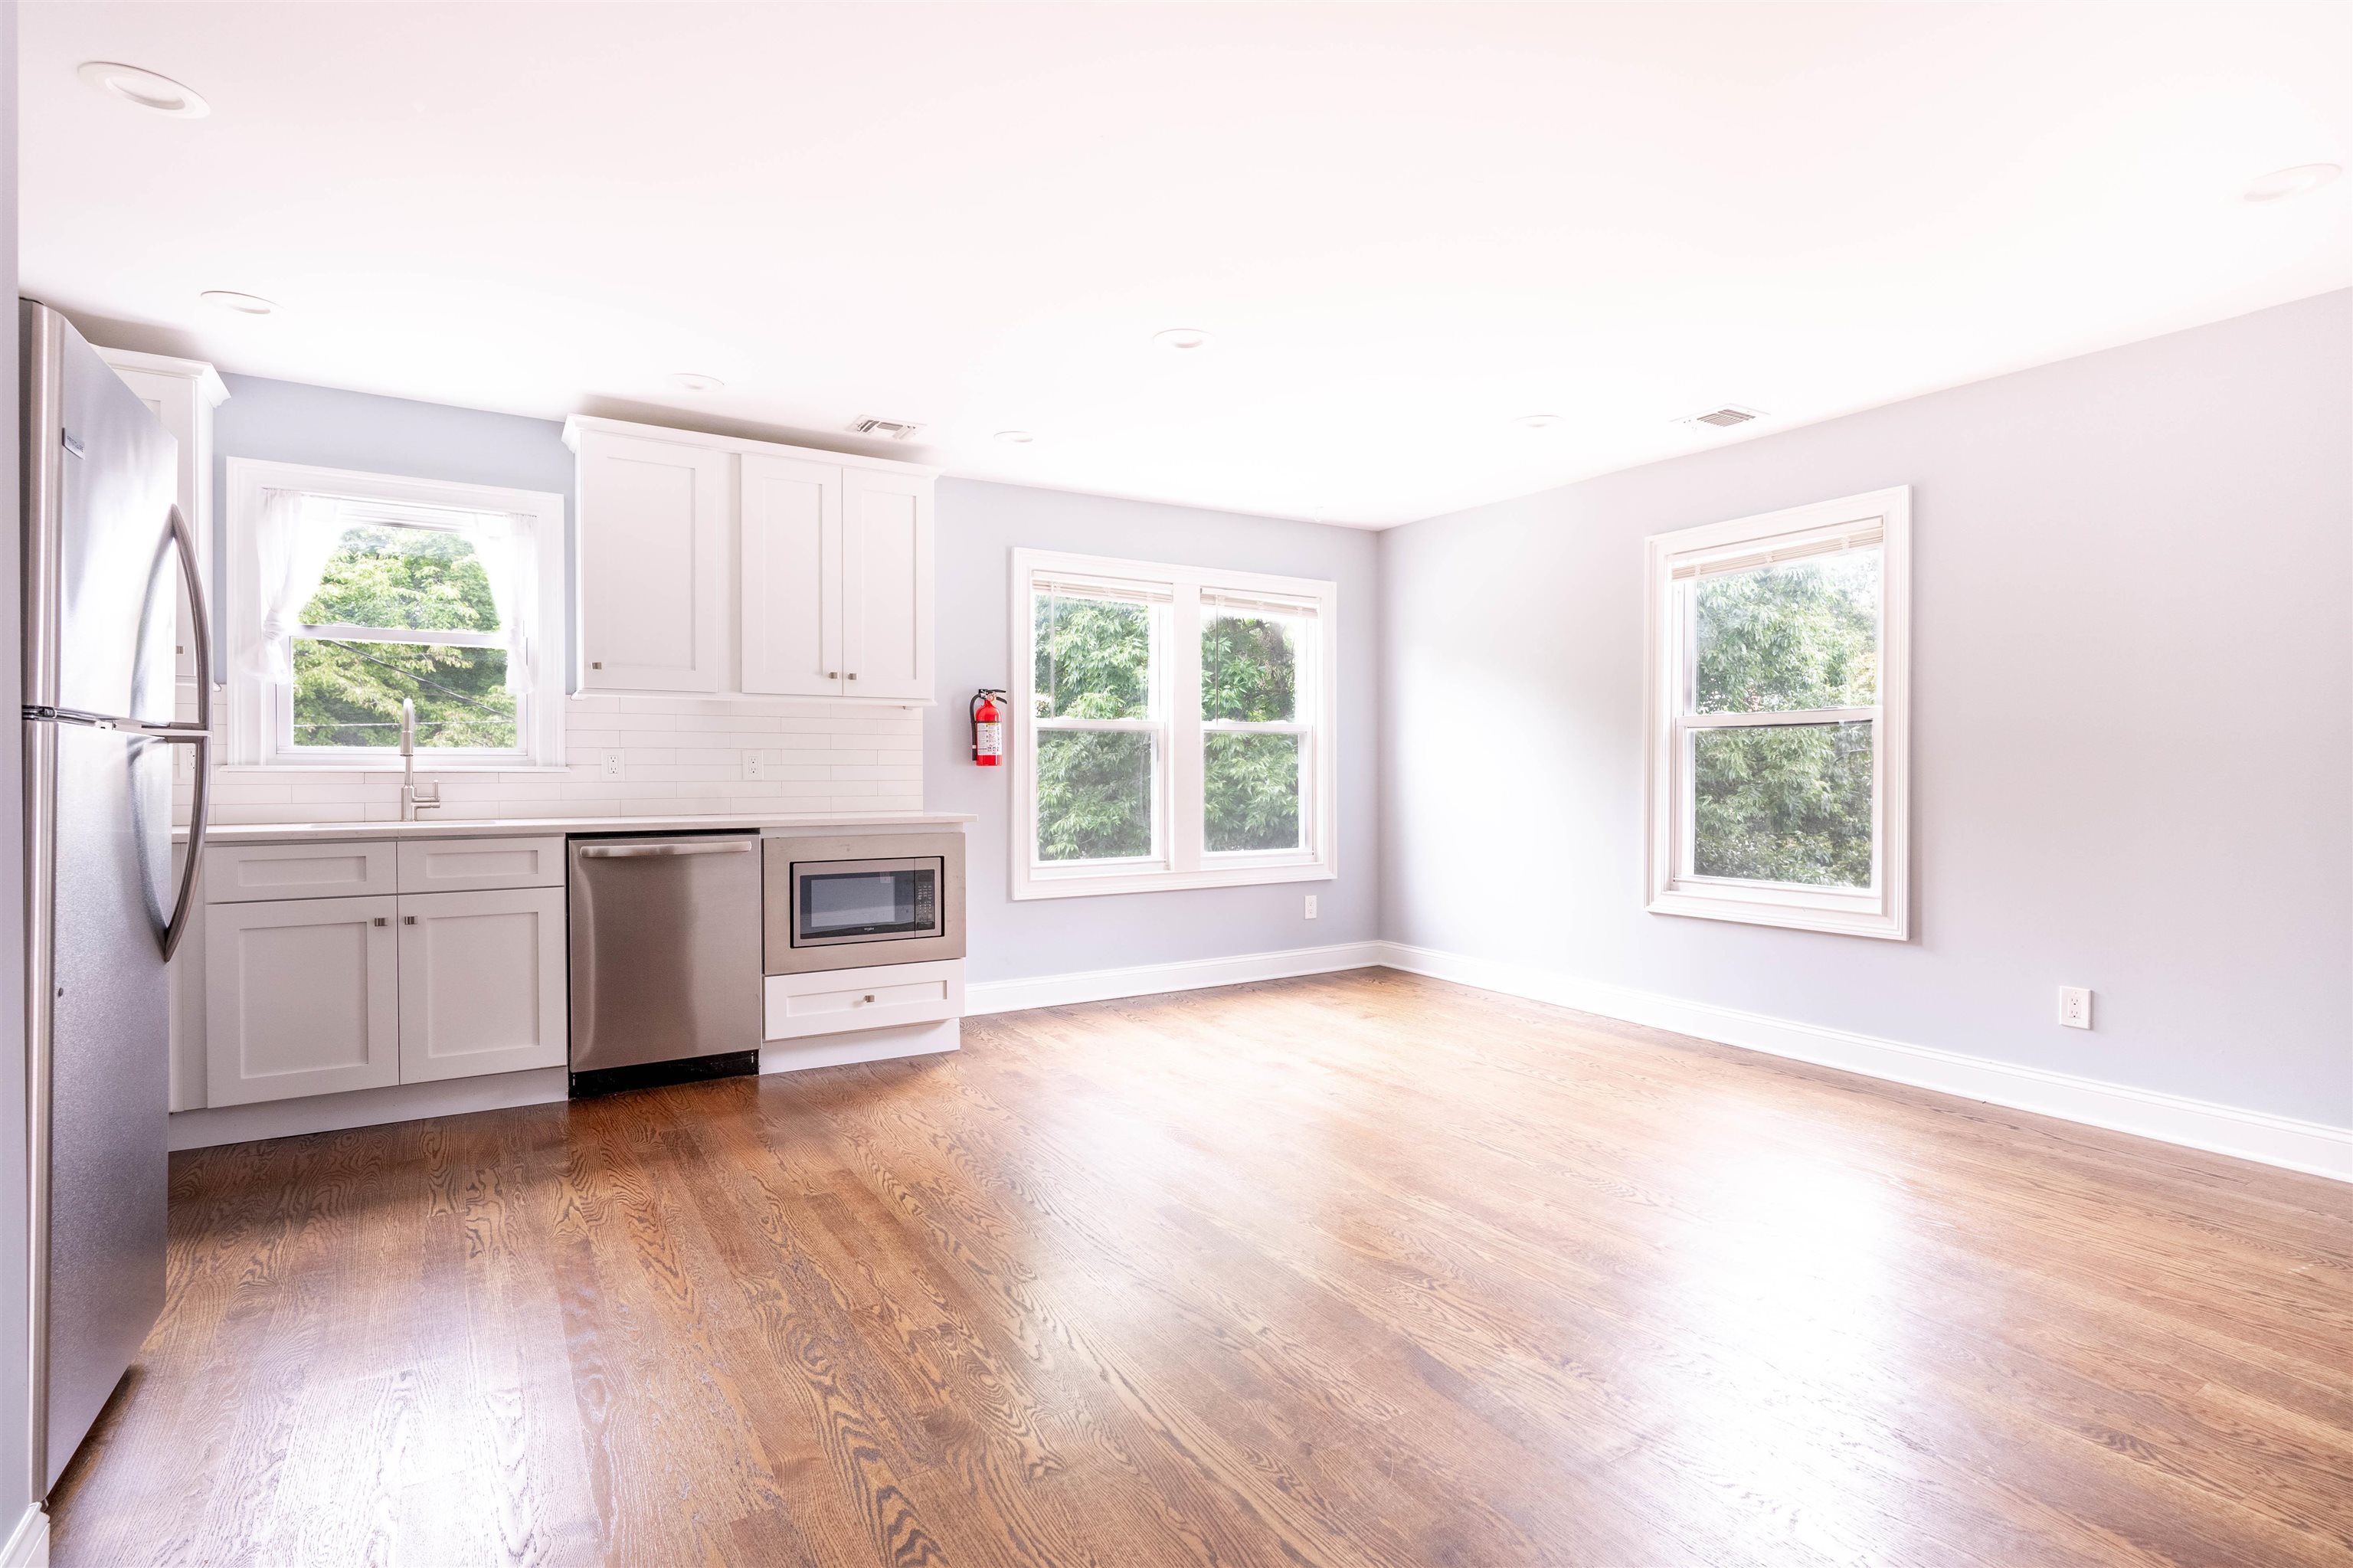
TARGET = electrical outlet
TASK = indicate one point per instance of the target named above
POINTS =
(754, 762)
(1311, 906)
(2075, 1006)
(612, 760)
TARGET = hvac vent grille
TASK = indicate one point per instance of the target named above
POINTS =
(891, 428)
(1722, 416)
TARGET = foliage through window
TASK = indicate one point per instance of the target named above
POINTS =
(403, 611)
(1777, 741)
(1130, 779)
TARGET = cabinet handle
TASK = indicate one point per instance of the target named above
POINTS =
(833, 675)
(409, 920)
(869, 999)
(597, 664)
(853, 675)
(379, 919)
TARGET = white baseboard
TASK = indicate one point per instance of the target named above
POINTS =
(1147, 979)
(2307, 1146)
(859, 1045)
(498, 1091)
(28, 1544)
(367, 1107)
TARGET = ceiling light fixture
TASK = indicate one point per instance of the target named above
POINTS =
(1016, 437)
(1539, 421)
(243, 305)
(695, 381)
(1182, 339)
(144, 88)
(2281, 184)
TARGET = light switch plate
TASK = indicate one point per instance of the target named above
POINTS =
(2075, 1006)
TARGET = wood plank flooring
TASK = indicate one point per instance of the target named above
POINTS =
(1359, 1269)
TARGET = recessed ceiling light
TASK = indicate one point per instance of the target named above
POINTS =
(1182, 338)
(243, 305)
(1016, 437)
(695, 381)
(2282, 182)
(1539, 421)
(145, 89)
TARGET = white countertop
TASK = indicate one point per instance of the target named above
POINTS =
(474, 828)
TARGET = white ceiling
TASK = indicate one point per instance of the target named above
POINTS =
(1406, 225)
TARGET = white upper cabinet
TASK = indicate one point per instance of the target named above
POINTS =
(886, 585)
(792, 561)
(824, 562)
(182, 393)
(655, 518)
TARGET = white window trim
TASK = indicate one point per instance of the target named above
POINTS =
(253, 701)
(1884, 910)
(1185, 863)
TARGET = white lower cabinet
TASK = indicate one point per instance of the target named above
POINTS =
(300, 997)
(481, 982)
(320, 995)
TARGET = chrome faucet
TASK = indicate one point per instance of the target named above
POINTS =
(414, 797)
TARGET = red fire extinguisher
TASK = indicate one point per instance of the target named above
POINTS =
(987, 730)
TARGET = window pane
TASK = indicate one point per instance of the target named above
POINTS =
(1095, 794)
(1783, 803)
(1251, 782)
(411, 579)
(1094, 658)
(1249, 666)
(348, 693)
(1803, 635)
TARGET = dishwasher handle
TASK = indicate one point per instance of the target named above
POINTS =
(616, 851)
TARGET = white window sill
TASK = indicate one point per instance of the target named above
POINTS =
(1086, 884)
(1852, 915)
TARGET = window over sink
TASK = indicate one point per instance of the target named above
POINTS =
(349, 592)
(1173, 726)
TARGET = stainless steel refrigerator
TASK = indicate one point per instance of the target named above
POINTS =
(105, 550)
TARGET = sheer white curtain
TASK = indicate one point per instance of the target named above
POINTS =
(509, 559)
(293, 539)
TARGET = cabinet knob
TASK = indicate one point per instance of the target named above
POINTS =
(853, 675)
(409, 920)
(869, 999)
(379, 921)
(833, 675)
(596, 664)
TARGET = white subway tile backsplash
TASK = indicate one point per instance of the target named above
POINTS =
(679, 757)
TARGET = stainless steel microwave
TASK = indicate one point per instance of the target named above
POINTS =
(847, 901)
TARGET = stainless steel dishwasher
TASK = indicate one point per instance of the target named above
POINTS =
(664, 959)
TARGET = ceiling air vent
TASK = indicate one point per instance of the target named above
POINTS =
(1725, 418)
(890, 429)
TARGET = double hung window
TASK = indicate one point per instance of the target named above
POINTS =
(1779, 717)
(351, 592)
(1173, 726)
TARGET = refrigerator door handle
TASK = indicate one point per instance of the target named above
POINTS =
(185, 538)
(199, 819)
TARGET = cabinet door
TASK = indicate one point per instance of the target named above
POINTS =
(886, 576)
(300, 999)
(792, 572)
(481, 982)
(653, 565)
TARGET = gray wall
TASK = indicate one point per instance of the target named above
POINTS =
(978, 526)
(15, 1365)
(2132, 733)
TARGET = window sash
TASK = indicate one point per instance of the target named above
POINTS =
(1186, 602)
(1879, 521)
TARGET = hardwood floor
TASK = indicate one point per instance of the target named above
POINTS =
(1362, 1269)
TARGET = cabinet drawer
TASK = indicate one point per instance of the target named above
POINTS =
(467, 865)
(242, 874)
(831, 1001)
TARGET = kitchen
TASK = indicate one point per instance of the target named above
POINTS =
(773, 813)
